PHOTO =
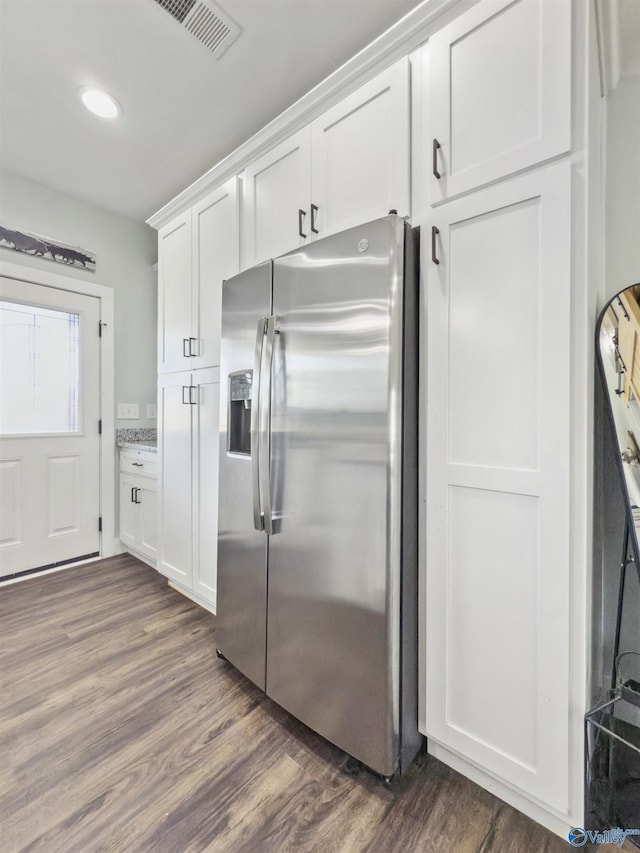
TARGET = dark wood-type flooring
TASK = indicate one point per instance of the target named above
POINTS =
(120, 730)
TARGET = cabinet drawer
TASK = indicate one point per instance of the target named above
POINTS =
(142, 462)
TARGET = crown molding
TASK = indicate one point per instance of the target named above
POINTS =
(398, 41)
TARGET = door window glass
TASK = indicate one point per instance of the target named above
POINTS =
(39, 370)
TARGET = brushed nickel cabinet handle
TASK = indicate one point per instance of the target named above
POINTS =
(301, 214)
(434, 233)
(434, 165)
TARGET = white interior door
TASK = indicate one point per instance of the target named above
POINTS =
(49, 433)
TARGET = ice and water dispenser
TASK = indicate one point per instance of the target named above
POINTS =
(239, 426)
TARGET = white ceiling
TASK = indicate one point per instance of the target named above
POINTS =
(183, 110)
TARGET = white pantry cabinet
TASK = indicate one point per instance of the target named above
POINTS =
(502, 250)
(138, 506)
(188, 411)
(349, 165)
(499, 92)
(498, 484)
(196, 251)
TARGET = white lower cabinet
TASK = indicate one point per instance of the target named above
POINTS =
(204, 482)
(498, 279)
(188, 407)
(138, 506)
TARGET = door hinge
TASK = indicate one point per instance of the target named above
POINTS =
(100, 325)
(100, 427)
(100, 524)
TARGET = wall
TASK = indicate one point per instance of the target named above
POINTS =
(622, 186)
(125, 250)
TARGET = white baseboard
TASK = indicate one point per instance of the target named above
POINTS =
(558, 824)
(125, 549)
(189, 593)
(111, 547)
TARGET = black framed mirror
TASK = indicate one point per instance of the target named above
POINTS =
(613, 723)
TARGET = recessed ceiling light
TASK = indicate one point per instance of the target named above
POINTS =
(99, 102)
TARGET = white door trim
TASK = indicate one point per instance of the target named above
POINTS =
(108, 543)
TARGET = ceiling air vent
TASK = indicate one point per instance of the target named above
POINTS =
(204, 20)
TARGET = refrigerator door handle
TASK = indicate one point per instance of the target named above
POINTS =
(265, 427)
(258, 517)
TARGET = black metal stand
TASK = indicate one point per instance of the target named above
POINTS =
(627, 558)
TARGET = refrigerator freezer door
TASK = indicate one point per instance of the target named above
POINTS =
(334, 559)
(242, 549)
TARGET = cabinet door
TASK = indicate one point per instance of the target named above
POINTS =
(174, 294)
(497, 486)
(174, 485)
(205, 482)
(276, 188)
(360, 154)
(148, 518)
(129, 519)
(499, 92)
(216, 256)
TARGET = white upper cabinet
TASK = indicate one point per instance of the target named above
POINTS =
(216, 256)
(360, 154)
(276, 193)
(350, 165)
(500, 92)
(174, 294)
(197, 250)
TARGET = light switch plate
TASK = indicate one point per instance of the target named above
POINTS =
(151, 411)
(129, 411)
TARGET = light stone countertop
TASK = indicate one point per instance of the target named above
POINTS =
(139, 445)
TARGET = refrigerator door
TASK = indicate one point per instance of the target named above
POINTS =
(242, 548)
(336, 447)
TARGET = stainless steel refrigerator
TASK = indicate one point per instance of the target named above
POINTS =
(317, 548)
